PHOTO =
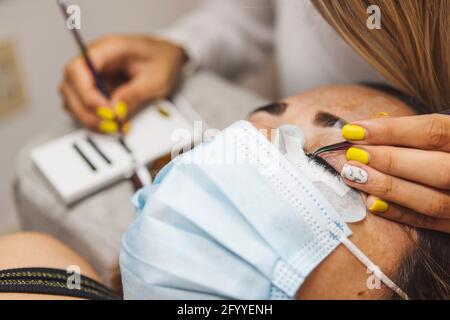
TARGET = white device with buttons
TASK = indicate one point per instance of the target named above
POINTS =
(82, 163)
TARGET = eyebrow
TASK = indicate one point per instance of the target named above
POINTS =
(326, 119)
(274, 108)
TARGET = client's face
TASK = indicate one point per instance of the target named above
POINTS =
(321, 113)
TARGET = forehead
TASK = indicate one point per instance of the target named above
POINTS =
(350, 102)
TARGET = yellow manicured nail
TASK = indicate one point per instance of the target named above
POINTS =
(108, 127)
(353, 132)
(357, 154)
(121, 110)
(379, 206)
(105, 113)
(126, 128)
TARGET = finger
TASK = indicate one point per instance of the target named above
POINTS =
(78, 75)
(87, 118)
(106, 53)
(139, 90)
(406, 216)
(414, 196)
(431, 132)
(65, 102)
(431, 168)
(108, 50)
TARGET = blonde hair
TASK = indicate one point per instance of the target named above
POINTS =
(412, 48)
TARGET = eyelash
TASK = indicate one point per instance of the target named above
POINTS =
(322, 163)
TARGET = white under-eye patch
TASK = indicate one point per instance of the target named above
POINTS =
(348, 202)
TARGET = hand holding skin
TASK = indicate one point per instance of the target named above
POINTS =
(136, 69)
(407, 165)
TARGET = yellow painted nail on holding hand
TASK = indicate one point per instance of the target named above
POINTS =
(108, 127)
(121, 110)
(379, 206)
(353, 132)
(105, 113)
(357, 154)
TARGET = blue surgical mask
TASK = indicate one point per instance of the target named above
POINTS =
(232, 219)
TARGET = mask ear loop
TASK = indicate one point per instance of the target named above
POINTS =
(372, 267)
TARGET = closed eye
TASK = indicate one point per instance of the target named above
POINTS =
(324, 164)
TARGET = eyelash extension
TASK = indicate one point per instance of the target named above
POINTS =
(324, 164)
(344, 145)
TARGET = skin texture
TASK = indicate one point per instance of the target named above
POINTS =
(32, 249)
(341, 276)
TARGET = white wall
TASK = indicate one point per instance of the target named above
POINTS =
(44, 46)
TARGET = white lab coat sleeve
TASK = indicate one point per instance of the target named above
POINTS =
(226, 36)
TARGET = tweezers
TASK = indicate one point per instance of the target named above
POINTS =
(344, 145)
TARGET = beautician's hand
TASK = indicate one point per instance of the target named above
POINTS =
(135, 68)
(404, 165)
